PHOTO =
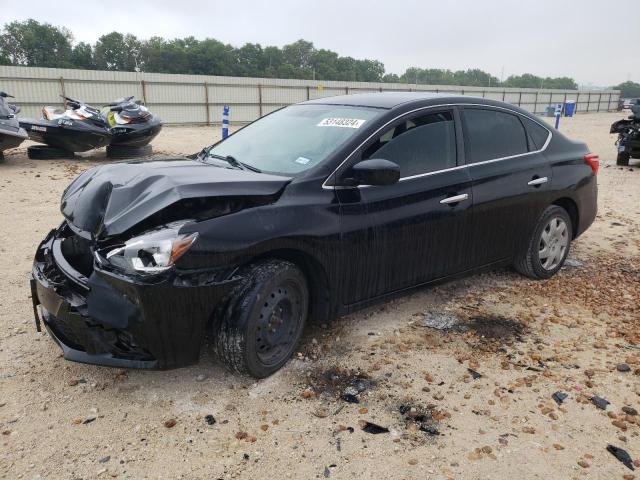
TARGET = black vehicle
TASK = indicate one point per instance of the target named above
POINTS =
(628, 131)
(132, 126)
(11, 135)
(77, 127)
(311, 212)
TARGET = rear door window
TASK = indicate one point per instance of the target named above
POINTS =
(537, 134)
(493, 134)
(419, 145)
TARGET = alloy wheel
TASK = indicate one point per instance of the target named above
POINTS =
(554, 241)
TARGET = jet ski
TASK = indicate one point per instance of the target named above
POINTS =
(77, 127)
(132, 127)
(628, 131)
(131, 123)
(11, 135)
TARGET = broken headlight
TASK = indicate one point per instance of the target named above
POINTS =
(152, 252)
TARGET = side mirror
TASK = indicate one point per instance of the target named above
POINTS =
(375, 171)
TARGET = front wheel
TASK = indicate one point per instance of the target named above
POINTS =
(549, 245)
(263, 320)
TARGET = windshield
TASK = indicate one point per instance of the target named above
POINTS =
(295, 138)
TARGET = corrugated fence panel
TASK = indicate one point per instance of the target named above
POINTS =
(199, 98)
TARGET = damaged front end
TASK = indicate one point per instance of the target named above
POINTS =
(101, 316)
(108, 280)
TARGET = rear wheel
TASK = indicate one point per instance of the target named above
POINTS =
(45, 152)
(264, 318)
(623, 159)
(549, 245)
(125, 151)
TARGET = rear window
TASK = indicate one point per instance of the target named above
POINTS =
(493, 134)
(537, 134)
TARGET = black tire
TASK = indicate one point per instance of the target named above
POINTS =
(530, 263)
(623, 159)
(45, 152)
(124, 151)
(245, 339)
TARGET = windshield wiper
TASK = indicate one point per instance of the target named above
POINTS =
(234, 163)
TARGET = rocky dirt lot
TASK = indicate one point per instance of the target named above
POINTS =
(377, 394)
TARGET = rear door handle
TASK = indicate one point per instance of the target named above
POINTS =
(454, 199)
(538, 181)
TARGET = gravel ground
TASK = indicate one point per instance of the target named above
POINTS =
(578, 333)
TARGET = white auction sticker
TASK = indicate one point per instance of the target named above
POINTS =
(341, 122)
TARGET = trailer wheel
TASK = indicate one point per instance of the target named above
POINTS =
(121, 152)
(45, 152)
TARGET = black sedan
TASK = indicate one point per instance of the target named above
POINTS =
(311, 212)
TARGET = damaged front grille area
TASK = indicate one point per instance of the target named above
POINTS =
(77, 251)
(59, 269)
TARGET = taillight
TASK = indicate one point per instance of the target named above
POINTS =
(593, 161)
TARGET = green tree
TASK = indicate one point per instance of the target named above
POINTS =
(82, 56)
(34, 44)
(628, 89)
(250, 61)
(116, 51)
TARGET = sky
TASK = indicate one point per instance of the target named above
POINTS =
(594, 41)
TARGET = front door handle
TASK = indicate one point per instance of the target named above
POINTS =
(454, 199)
(538, 181)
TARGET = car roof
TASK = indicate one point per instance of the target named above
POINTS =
(387, 99)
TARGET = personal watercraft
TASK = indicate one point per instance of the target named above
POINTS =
(124, 126)
(628, 131)
(76, 128)
(11, 135)
(130, 123)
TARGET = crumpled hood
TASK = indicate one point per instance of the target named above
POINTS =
(110, 199)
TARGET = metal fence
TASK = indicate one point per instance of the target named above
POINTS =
(198, 99)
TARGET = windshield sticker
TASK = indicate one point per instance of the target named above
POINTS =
(302, 160)
(341, 122)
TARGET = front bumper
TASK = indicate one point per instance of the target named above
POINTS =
(117, 321)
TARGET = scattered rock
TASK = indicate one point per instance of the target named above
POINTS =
(349, 398)
(557, 446)
(439, 320)
(623, 367)
(559, 397)
(583, 463)
(630, 411)
(209, 419)
(201, 378)
(372, 427)
(105, 459)
(572, 262)
(622, 455)
(600, 402)
(475, 375)
(170, 423)
(528, 430)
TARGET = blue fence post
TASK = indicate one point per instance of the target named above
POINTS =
(225, 121)
(558, 113)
